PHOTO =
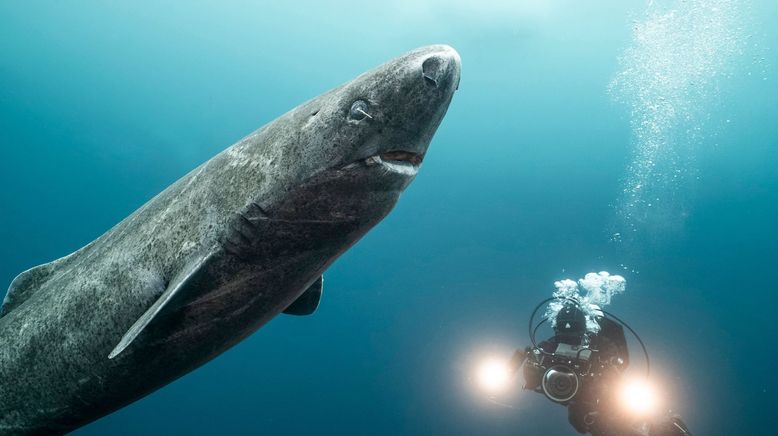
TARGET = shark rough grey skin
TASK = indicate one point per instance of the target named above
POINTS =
(239, 240)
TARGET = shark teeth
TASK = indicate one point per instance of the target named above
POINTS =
(395, 161)
(397, 157)
(374, 160)
(401, 168)
(406, 157)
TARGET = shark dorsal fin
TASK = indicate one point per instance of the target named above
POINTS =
(27, 283)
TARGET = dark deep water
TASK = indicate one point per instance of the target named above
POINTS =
(102, 107)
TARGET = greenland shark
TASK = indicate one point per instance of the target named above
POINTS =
(240, 239)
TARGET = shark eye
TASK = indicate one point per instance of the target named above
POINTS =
(359, 111)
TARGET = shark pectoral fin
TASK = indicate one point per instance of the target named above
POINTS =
(173, 289)
(307, 303)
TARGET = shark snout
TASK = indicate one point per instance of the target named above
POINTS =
(441, 68)
(430, 76)
(393, 111)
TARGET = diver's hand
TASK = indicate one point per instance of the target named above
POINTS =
(518, 358)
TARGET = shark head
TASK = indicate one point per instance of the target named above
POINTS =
(354, 149)
(386, 117)
(320, 176)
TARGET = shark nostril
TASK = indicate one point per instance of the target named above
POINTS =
(431, 69)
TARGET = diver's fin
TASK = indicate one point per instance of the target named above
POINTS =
(180, 282)
(26, 283)
(307, 303)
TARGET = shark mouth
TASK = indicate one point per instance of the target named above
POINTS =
(396, 161)
(399, 157)
(402, 157)
(401, 162)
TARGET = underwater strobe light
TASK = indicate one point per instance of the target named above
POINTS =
(493, 376)
(638, 397)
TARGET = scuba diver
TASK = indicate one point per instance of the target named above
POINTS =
(582, 367)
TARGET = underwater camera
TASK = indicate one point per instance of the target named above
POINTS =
(562, 371)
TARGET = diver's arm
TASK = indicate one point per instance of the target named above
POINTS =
(669, 425)
(518, 358)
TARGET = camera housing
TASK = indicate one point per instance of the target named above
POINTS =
(563, 374)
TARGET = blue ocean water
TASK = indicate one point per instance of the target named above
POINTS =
(528, 180)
